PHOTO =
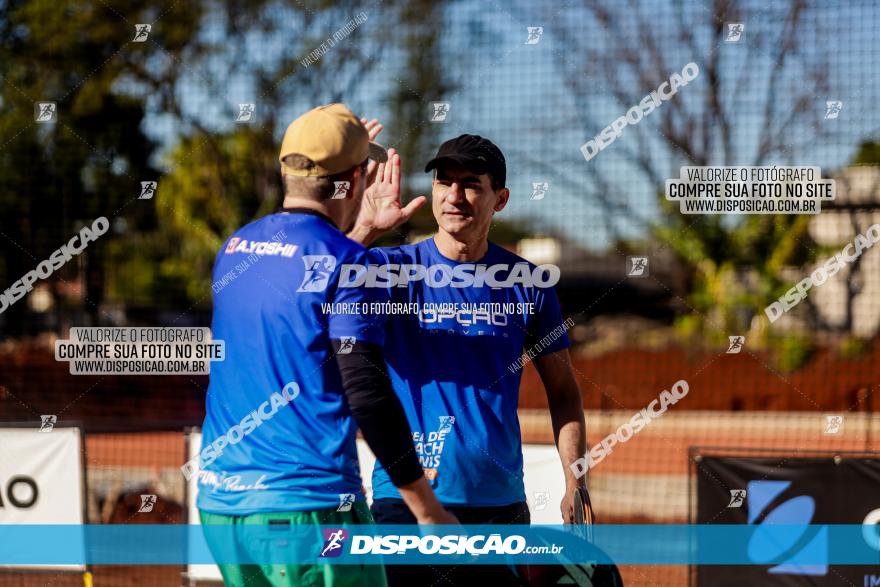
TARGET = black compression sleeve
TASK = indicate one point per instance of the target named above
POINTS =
(377, 410)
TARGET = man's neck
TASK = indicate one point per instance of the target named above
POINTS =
(461, 250)
(314, 206)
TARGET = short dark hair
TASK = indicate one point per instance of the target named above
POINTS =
(300, 162)
(494, 182)
(323, 186)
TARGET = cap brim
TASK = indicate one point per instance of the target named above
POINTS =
(469, 163)
(377, 153)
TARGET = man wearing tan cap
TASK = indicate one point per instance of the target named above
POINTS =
(278, 448)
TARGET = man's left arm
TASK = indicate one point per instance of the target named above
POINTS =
(567, 416)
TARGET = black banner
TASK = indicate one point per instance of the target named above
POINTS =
(788, 490)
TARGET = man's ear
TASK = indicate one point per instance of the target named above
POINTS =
(354, 177)
(350, 177)
(503, 196)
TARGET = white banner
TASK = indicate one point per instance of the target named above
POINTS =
(41, 478)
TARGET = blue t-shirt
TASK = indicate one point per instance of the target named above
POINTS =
(277, 402)
(455, 369)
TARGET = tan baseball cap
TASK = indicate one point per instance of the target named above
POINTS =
(331, 136)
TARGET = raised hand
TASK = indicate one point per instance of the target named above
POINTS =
(381, 209)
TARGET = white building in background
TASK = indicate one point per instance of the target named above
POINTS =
(850, 293)
(540, 250)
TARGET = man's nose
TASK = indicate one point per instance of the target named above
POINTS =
(455, 193)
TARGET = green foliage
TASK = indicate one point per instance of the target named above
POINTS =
(54, 178)
(687, 326)
(853, 347)
(735, 269)
(792, 352)
(210, 192)
(868, 153)
(219, 181)
(214, 176)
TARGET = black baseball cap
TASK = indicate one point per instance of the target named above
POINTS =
(475, 154)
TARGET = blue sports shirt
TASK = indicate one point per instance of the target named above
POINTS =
(278, 434)
(455, 369)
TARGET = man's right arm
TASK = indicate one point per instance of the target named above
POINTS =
(382, 421)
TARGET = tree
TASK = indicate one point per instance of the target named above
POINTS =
(213, 174)
(218, 179)
(707, 123)
(56, 177)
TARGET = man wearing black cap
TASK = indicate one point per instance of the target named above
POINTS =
(456, 364)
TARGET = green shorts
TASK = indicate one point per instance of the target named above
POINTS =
(288, 575)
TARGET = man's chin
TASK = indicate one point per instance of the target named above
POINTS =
(455, 225)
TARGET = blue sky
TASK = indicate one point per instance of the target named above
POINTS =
(521, 97)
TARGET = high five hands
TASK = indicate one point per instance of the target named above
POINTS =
(381, 209)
